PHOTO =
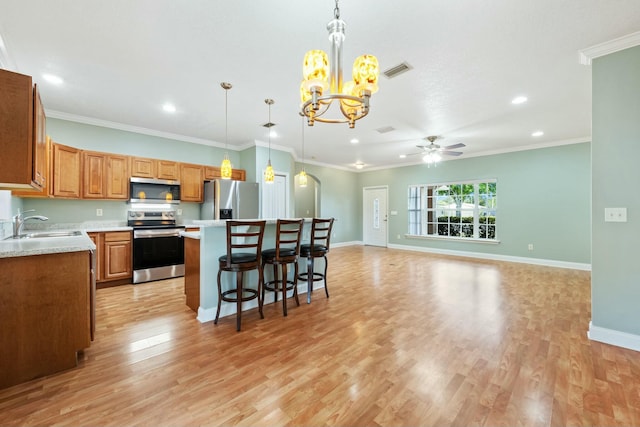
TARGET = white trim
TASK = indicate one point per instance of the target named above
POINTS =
(613, 337)
(343, 244)
(229, 308)
(129, 128)
(586, 56)
(494, 257)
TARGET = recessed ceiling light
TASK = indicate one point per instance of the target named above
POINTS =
(359, 165)
(273, 134)
(169, 108)
(402, 156)
(519, 100)
(354, 141)
(53, 79)
(537, 133)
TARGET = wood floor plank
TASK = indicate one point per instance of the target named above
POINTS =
(406, 339)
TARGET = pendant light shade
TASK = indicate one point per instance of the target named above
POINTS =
(225, 167)
(269, 174)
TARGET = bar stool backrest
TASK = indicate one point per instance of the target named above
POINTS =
(244, 241)
(321, 234)
(288, 236)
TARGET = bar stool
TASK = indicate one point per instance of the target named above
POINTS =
(318, 247)
(244, 246)
(287, 250)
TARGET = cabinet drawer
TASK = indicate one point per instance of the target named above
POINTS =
(117, 236)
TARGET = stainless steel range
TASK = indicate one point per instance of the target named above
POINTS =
(158, 248)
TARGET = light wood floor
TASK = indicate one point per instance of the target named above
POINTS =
(405, 339)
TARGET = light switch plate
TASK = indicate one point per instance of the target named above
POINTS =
(615, 214)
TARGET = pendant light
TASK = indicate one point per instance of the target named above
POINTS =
(269, 175)
(302, 176)
(225, 167)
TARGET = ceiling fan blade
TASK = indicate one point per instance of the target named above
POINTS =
(413, 154)
(454, 146)
(452, 153)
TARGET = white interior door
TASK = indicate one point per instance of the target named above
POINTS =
(275, 198)
(375, 216)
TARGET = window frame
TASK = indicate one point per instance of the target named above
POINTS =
(422, 216)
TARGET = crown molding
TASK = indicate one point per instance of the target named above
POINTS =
(129, 128)
(589, 54)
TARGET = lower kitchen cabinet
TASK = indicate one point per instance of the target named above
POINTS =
(113, 257)
(45, 313)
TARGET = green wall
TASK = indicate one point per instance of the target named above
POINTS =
(615, 279)
(543, 199)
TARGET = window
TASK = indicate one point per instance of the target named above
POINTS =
(461, 210)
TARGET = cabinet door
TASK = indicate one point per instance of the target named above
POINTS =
(16, 130)
(97, 239)
(117, 179)
(66, 171)
(143, 168)
(238, 174)
(93, 168)
(191, 183)
(117, 255)
(168, 170)
(46, 187)
(211, 172)
(40, 142)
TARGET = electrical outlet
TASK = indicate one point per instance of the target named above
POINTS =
(398, 237)
(615, 214)
(179, 212)
(98, 212)
(530, 247)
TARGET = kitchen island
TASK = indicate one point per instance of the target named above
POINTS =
(202, 250)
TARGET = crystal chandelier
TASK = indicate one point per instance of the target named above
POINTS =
(225, 167)
(321, 75)
(269, 175)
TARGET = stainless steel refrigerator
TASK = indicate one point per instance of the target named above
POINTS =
(228, 199)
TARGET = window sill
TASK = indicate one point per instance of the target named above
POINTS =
(453, 239)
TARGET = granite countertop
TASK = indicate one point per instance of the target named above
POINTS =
(45, 245)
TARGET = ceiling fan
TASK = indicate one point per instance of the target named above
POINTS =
(433, 152)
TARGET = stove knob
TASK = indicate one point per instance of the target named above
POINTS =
(132, 214)
(171, 214)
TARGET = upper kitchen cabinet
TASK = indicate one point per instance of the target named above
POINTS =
(22, 133)
(191, 182)
(143, 168)
(46, 187)
(168, 170)
(105, 176)
(66, 162)
(213, 172)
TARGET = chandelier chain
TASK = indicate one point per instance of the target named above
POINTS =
(336, 11)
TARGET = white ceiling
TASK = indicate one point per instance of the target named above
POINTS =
(122, 59)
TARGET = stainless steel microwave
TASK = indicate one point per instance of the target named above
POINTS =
(149, 190)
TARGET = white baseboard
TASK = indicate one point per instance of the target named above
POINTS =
(613, 337)
(494, 257)
(228, 308)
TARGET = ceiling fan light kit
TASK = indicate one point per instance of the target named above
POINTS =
(432, 153)
(320, 75)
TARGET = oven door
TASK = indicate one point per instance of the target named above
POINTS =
(157, 254)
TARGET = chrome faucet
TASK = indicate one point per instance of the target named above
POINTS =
(19, 219)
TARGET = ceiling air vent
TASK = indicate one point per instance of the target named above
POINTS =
(398, 69)
(385, 129)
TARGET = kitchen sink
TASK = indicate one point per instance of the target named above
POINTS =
(42, 234)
